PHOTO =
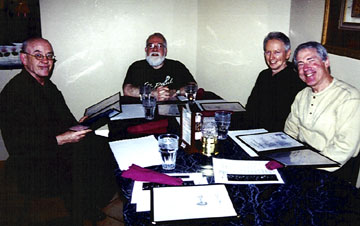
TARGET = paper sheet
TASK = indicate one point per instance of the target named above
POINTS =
(248, 150)
(229, 171)
(142, 151)
(130, 111)
(168, 110)
(191, 202)
(141, 196)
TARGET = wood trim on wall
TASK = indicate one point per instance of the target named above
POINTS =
(336, 39)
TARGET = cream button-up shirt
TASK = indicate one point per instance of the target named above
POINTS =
(329, 121)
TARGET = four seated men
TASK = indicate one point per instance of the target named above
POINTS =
(35, 119)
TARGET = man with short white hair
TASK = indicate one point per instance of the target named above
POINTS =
(166, 77)
(326, 114)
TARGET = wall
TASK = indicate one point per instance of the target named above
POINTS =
(96, 41)
(216, 40)
(5, 76)
(230, 37)
(306, 25)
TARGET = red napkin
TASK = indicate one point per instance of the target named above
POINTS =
(271, 165)
(149, 127)
(210, 113)
(141, 174)
(200, 94)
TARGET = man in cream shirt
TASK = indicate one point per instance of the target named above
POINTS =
(326, 114)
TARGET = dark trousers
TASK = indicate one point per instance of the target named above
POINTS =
(92, 174)
(349, 172)
(83, 174)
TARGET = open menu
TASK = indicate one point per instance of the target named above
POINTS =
(302, 157)
(265, 142)
(106, 108)
(281, 147)
(222, 106)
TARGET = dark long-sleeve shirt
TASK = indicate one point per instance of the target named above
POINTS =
(31, 116)
(270, 100)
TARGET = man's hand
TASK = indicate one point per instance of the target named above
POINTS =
(71, 136)
(83, 118)
(162, 93)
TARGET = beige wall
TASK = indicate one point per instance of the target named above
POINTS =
(230, 36)
(96, 41)
(219, 41)
(306, 25)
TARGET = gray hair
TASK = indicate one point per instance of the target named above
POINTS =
(320, 49)
(278, 36)
(156, 34)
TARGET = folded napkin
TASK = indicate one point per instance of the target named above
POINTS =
(138, 173)
(211, 113)
(271, 165)
(149, 127)
(200, 94)
(208, 113)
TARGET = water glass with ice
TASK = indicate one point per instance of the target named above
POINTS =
(222, 119)
(168, 146)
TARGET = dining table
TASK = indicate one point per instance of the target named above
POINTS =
(308, 196)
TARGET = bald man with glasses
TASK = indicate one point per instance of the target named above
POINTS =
(46, 156)
(167, 78)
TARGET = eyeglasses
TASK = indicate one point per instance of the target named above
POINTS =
(39, 56)
(153, 45)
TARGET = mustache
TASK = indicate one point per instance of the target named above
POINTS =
(156, 54)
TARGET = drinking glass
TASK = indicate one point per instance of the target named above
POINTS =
(209, 138)
(168, 146)
(145, 91)
(190, 91)
(149, 104)
(222, 119)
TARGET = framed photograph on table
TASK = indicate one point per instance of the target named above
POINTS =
(341, 28)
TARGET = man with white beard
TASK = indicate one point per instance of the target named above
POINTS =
(166, 77)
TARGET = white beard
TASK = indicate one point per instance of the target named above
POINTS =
(155, 61)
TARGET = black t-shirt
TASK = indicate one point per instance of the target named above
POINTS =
(270, 100)
(172, 74)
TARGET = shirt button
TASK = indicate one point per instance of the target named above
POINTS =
(313, 97)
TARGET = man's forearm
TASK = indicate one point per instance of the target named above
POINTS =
(130, 90)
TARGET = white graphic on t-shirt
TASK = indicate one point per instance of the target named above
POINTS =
(168, 80)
